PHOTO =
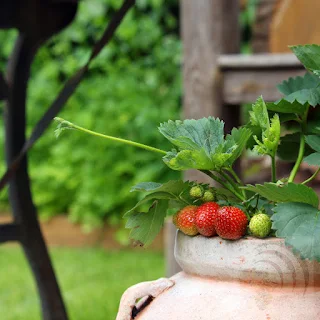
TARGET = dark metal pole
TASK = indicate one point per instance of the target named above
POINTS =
(24, 211)
(52, 17)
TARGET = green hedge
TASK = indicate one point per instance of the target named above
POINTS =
(133, 86)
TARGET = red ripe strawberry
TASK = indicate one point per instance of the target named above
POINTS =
(184, 220)
(205, 217)
(231, 223)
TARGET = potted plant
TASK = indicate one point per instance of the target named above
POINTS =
(247, 251)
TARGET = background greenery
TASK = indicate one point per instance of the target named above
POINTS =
(92, 281)
(133, 86)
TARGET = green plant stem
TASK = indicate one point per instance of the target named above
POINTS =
(250, 199)
(273, 169)
(179, 197)
(223, 183)
(299, 159)
(312, 177)
(238, 180)
(230, 181)
(258, 197)
(235, 176)
(301, 148)
(214, 177)
(69, 125)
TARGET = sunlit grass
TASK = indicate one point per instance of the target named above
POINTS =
(92, 281)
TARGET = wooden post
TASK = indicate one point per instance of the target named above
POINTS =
(209, 28)
(262, 25)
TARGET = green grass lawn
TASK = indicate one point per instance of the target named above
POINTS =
(92, 281)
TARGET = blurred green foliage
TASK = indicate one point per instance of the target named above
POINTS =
(92, 280)
(246, 20)
(133, 86)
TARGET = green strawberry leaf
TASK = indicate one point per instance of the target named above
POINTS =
(314, 142)
(146, 186)
(148, 198)
(309, 55)
(313, 159)
(188, 159)
(204, 134)
(174, 206)
(202, 145)
(146, 225)
(269, 141)
(238, 137)
(288, 149)
(256, 132)
(316, 72)
(259, 114)
(172, 186)
(299, 93)
(308, 81)
(176, 190)
(284, 117)
(304, 96)
(313, 127)
(299, 225)
(290, 192)
(284, 106)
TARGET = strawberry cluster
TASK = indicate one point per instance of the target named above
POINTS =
(210, 219)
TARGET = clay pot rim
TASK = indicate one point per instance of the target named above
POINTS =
(245, 238)
(248, 259)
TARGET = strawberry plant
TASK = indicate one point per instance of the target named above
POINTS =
(280, 207)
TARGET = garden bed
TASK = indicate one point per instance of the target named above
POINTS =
(60, 232)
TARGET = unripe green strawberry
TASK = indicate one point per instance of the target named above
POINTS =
(260, 225)
(196, 192)
(208, 196)
(184, 220)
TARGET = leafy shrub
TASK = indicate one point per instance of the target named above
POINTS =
(133, 86)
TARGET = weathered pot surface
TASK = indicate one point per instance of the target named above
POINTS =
(245, 279)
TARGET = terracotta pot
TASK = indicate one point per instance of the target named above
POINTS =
(245, 279)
